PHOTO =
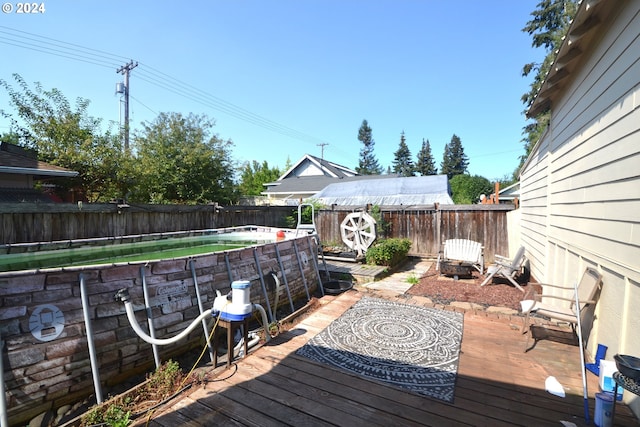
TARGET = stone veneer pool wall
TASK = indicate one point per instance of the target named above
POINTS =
(46, 356)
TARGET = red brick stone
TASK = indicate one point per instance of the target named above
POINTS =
(25, 356)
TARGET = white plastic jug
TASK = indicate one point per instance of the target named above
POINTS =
(604, 407)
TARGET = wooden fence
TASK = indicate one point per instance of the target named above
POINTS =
(427, 227)
(26, 222)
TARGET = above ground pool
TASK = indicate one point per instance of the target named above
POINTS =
(149, 247)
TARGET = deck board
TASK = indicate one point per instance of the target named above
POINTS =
(498, 384)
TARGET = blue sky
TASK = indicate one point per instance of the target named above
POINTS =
(280, 77)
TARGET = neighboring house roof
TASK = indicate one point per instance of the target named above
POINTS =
(310, 165)
(311, 174)
(510, 192)
(408, 191)
(15, 160)
(308, 185)
(571, 53)
(307, 176)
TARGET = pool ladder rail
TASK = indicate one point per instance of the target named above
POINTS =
(306, 227)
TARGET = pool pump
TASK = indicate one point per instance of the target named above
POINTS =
(236, 305)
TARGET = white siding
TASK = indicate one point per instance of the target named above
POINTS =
(308, 169)
(580, 189)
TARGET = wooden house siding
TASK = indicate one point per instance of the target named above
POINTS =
(534, 217)
(580, 188)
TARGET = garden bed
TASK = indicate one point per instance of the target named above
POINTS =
(445, 290)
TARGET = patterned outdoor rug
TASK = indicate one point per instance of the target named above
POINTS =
(412, 347)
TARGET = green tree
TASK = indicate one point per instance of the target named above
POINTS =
(254, 175)
(66, 136)
(454, 161)
(287, 164)
(402, 163)
(425, 164)
(180, 160)
(548, 27)
(368, 164)
(10, 138)
(466, 189)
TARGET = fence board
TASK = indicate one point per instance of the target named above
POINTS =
(426, 226)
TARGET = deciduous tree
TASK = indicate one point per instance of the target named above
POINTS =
(66, 136)
(466, 189)
(180, 160)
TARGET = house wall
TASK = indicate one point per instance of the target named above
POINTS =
(10, 180)
(580, 189)
(308, 169)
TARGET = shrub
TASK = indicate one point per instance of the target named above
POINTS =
(382, 226)
(388, 252)
(306, 212)
(117, 412)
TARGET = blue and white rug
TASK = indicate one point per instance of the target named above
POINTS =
(408, 346)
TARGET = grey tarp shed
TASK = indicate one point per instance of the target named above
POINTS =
(415, 190)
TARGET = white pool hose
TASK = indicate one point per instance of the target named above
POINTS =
(123, 295)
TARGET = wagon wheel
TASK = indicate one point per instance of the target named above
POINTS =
(358, 231)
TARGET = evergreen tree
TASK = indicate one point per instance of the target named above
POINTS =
(454, 161)
(368, 164)
(287, 165)
(548, 26)
(253, 175)
(426, 165)
(402, 163)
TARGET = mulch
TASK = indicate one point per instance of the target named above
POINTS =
(444, 290)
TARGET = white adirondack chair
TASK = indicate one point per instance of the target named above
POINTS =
(506, 268)
(463, 250)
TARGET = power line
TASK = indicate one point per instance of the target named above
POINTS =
(143, 104)
(212, 101)
(149, 74)
(62, 44)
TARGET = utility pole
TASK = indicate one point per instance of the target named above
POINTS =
(125, 70)
(322, 149)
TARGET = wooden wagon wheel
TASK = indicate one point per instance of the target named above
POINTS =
(358, 231)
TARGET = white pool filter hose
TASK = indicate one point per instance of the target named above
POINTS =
(123, 295)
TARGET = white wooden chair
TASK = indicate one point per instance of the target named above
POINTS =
(463, 250)
(506, 268)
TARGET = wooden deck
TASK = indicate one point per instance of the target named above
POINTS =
(361, 273)
(498, 384)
